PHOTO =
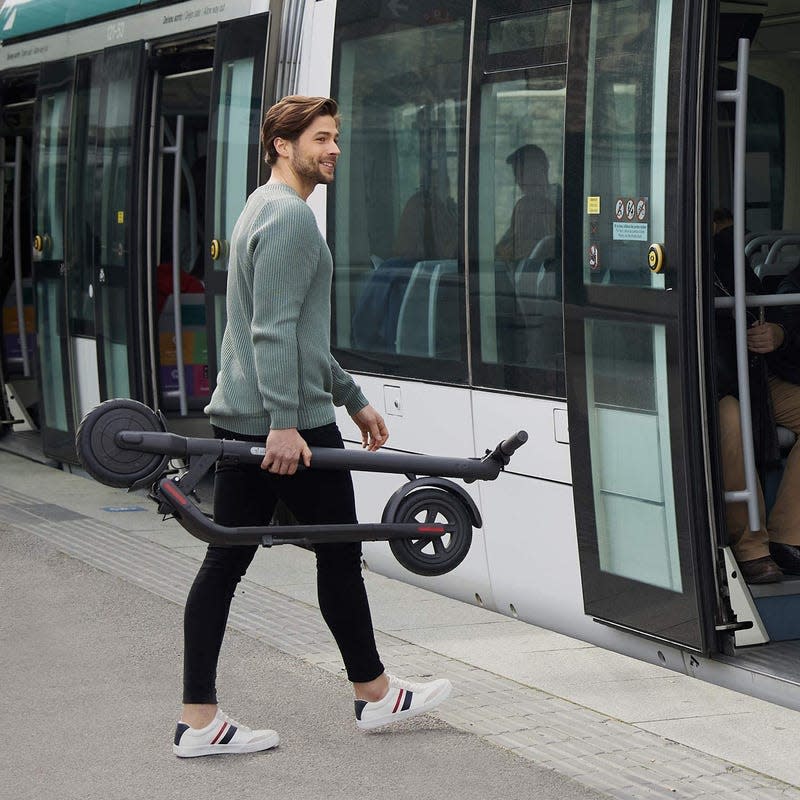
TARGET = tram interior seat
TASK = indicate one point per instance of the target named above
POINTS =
(772, 255)
(428, 319)
(374, 323)
(537, 284)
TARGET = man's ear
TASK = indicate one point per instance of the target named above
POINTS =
(282, 146)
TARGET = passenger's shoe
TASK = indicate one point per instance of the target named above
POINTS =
(786, 556)
(403, 700)
(760, 570)
(223, 735)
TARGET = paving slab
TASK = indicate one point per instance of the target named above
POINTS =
(91, 667)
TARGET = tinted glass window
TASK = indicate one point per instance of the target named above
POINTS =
(397, 203)
(82, 195)
(516, 288)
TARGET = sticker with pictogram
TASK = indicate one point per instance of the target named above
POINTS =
(619, 208)
(641, 209)
(630, 209)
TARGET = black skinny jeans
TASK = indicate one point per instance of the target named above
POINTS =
(244, 494)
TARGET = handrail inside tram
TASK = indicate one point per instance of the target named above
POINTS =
(738, 96)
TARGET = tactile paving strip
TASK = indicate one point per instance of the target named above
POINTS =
(600, 752)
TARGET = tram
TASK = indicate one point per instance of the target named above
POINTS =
(521, 230)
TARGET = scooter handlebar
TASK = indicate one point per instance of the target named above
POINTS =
(513, 443)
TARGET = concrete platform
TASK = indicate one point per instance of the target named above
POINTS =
(92, 584)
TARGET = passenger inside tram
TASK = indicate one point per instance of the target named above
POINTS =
(765, 555)
(534, 215)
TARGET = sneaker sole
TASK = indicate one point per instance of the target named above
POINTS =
(402, 715)
(222, 749)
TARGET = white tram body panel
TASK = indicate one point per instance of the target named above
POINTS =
(524, 561)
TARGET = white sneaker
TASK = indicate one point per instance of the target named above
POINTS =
(223, 735)
(403, 700)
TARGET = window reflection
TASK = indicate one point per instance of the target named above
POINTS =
(398, 281)
(398, 204)
(519, 231)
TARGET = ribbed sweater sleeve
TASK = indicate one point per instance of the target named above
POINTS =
(345, 391)
(285, 259)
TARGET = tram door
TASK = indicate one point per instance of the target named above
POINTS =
(83, 238)
(630, 329)
(51, 141)
(204, 148)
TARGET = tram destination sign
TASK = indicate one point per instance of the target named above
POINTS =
(151, 24)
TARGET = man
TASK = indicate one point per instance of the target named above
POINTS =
(765, 555)
(279, 381)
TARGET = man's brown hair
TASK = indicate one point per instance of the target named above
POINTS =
(289, 117)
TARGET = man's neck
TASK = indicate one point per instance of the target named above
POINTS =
(289, 178)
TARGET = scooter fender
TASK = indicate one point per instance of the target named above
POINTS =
(459, 495)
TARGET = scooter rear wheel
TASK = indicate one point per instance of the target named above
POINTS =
(433, 555)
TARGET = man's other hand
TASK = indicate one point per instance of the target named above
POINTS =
(374, 433)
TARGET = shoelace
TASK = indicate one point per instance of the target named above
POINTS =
(232, 721)
(399, 683)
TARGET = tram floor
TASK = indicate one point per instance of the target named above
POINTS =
(27, 444)
(776, 659)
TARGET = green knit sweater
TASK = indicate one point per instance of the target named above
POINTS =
(277, 370)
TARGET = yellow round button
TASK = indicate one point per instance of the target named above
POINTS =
(655, 257)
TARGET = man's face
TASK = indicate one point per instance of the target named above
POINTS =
(314, 153)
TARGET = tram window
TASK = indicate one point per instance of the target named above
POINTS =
(52, 173)
(637, 534)
(518, 341)
(546, 30)
(765, 164)
(233, 128)
(397, 201)
(518, 283)
(625, 144)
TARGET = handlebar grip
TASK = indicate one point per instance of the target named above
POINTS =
(513, 443)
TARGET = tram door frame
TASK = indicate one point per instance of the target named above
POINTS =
(164, 162)
(232, 173)
(15, 249)
(237, 41)
(668, 597)
(77, 350)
